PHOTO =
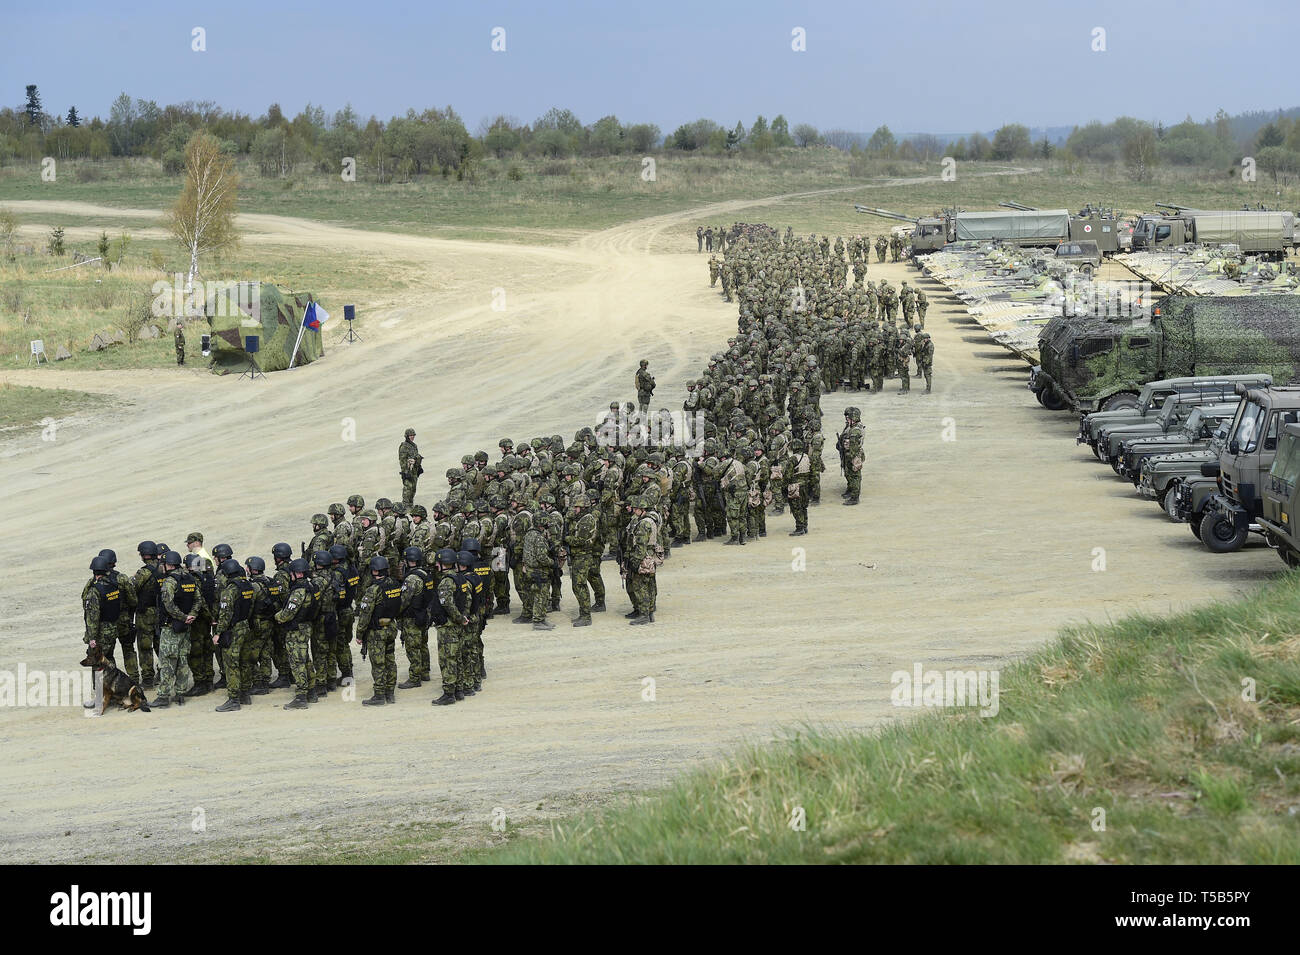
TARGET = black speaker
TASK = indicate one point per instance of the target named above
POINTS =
(252, 343)
(349, 312)
(204, 342)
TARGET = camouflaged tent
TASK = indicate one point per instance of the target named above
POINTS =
(272, 313)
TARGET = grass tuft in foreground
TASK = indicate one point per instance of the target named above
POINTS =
(1148, 740)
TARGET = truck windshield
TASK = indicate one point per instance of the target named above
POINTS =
(1286, 466)
(1246, 433)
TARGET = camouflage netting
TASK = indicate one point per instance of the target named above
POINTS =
(280, 318)
(1228, 334)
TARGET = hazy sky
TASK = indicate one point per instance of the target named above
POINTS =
(936, 66)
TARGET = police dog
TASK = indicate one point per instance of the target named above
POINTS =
(117, 686)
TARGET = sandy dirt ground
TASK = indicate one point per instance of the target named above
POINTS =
(965, 553)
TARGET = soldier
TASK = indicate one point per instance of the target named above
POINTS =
(521, 522)
(500, 560)
(201, 634)
(180, 349)
(234, 606)
(450, 614)
(409, 465)
(714, 269)
(537, 566)
(907, 300)
(904, 356)
(735, 486)
(583, 543)
(278, 591)
(881, 245)
(795, 476)
(178, 599)
(370, 540)
(377, 616)
(699, 238)
(321, 538)
(417, 587)
(645, 385)
(324, 628)
(816, 444)
(924, 352)
(267, 599)
(296, 618)
(853, 442)
(708, 239)
(145, 582)
(642, 561)
(467, 663)
(103, 602)
(479, 570)
(348, 580)
(921, 306)
(341, 531)
(758, 470)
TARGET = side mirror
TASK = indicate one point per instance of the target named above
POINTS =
(1233, 447)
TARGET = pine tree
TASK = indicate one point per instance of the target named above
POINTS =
(73, 119)
(33, 108)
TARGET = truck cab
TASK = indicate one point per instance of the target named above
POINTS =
(1277, 515)
(1153, 232)
(1244, 465)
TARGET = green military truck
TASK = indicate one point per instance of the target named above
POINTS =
(1102, 363)
(1190, 435)
(1232, 512)
(1162, 475)
(1271, 234)
(1279, 492)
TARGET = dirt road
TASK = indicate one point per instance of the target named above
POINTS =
(964, 553)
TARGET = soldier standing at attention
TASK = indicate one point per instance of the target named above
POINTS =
(537, 568)
(295, 617)
(904, 355)
(583, 542)
(924, 352)
(234, 606)
(451, 616)
(795, 475)
(417, 584)
(881, 245)
(642, 562)
(321, 538)
(713, 271)
(921, 306)
(409, 463)
(377, 615)
(645, 385)
(180, 344)
(708, 239)
(178, 597)
(699, 238)
(146, 612)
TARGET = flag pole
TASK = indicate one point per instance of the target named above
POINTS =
(302, 327)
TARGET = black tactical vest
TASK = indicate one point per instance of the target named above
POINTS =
(243, 602)
(389, 604)
(310, 606)
(109, 595)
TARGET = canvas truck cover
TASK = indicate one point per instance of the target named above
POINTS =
(1048, 225)
(1247, 229)
(274, 314)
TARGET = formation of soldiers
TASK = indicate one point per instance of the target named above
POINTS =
(626, 490)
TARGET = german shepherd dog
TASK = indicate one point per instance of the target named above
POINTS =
(117, 686)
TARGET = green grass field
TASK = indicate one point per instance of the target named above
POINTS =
(22, 407)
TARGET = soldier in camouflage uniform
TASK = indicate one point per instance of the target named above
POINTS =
(923, 349)
(452, 618)
(882, 244)
(178, 604)
(795, 477)
(348, 579)
(145, 582)
(645, 385)
(521, 521)
(321, 538)
(409, 465)
(904, 356)
(853, 440)
(268, 598)
(370, 539)
(921, 306)
(583, 543)
(377, 615)
(103, 603)
(735, 486)
(641, 562)
(324, 629)
(537, 566)
(417, 588)
(500, 555)
(714, 269)
(295, 617)
(180, 342)
(341, 530)
(234, 607)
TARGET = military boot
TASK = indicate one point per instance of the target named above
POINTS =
(555, 603)
(543, 625)
(312, 695)
(410, 683)
(584, 620)
(159, 703)
(280, 682)
(245, 697)
(260, 689)
(220, 684)
(522, 618)
(633, 615)
(299, 702)
(200, 688)
(467, 691)
(330, 685)
(446, 699)
(390, 696)
(379, 699)
(229, 706)
(459, 696)
(734, 540)
(648, 618)
(598, 607)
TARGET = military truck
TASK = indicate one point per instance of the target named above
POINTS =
(1232, 512)
(1253, 232)
(929, 233)
(1151, 399)
(1163, 475)
(1190, 435)
(1102, 363)
(1277, 517)
(1111, 438)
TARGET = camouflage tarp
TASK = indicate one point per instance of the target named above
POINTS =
(232, 319)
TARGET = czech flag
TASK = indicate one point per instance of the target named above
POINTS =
(314, 316)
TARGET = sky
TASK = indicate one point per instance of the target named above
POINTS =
(939, 66)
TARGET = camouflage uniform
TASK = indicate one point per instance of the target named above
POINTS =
(295, 619)
(584, 546)
(410, 466)
(377, 615)
(453, 598)
(146, 583)
(924, 351)
(177, 589)
(417, 589)
(537, 566)
(735, 485)
(234, 606)
(324, 629)
(642, 564)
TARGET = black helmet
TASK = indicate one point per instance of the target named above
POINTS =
(99, 564)
(322, 558)
(282, 550)
(172, 558)
(378, 564)
(446, 556)
(256, 565)
(222, 552)
(230, 567)
(339, 551)
(108, 555)
(147, 549)
(413, 554)
(471, 544)
(298, 565)
(465, 557)
(193, 562)
(160, 548)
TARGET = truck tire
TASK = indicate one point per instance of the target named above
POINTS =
(1195, 521)
(1169, 497)
(1050, 400)
(1220, 535)
(1125, 400)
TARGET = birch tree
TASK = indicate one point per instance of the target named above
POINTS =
(203, 218)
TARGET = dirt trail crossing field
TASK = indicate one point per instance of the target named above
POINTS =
(963, 553)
